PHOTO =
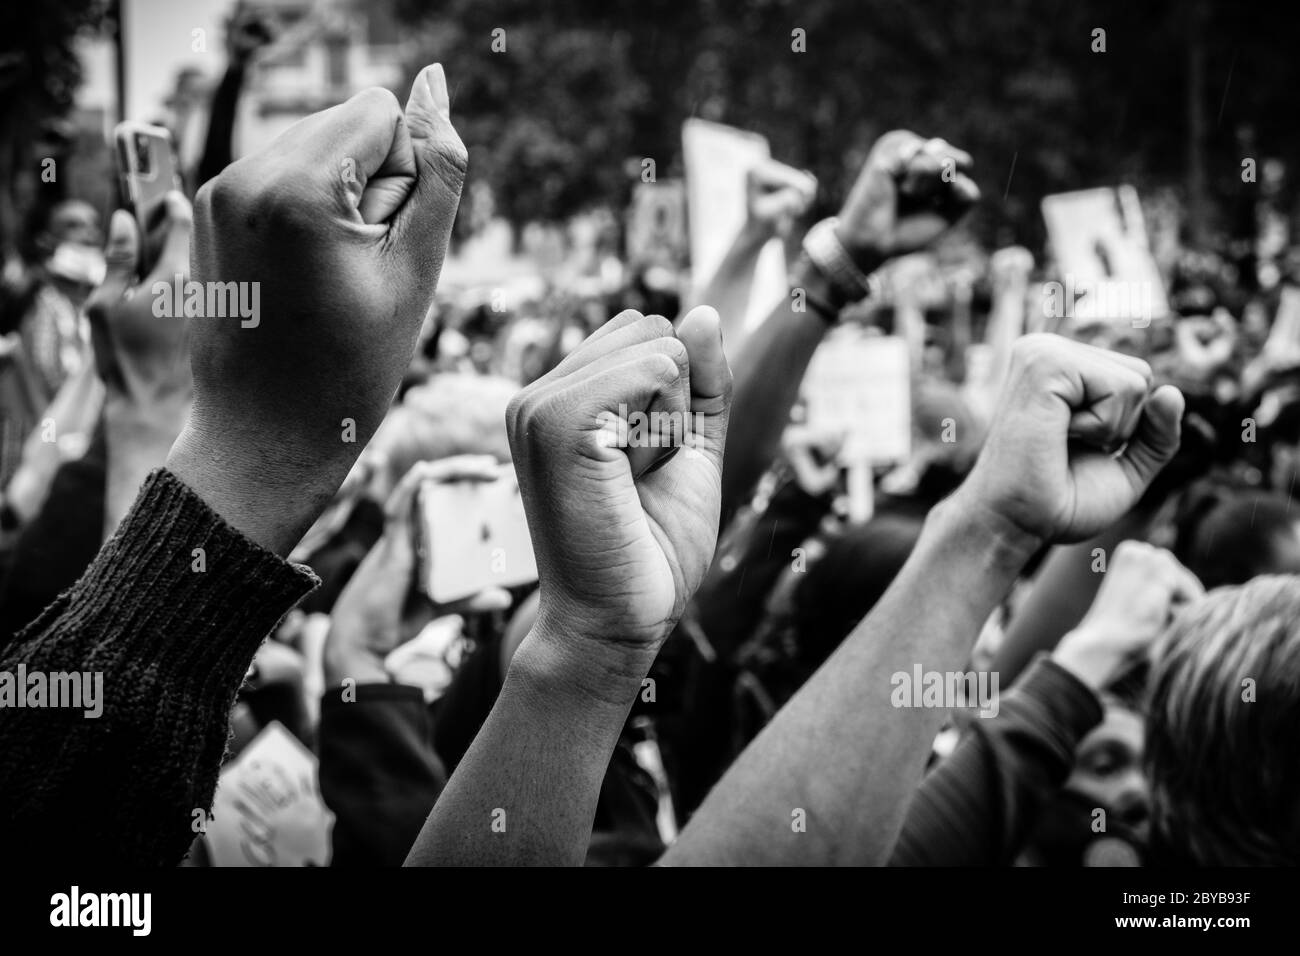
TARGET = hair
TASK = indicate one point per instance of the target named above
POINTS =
(1228, 536)
(1223, 728)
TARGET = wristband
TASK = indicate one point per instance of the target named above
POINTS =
(828, 255)
(822, 305)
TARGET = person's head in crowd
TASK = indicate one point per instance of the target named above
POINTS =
(1256, 322)
(1100, 816)
(1222, 747)
(1108, 768)
(1103, 810)
(448, 415)
(1229, 535)
(67, 241)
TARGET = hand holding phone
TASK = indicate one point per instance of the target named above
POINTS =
(473, 535)
(146, 165)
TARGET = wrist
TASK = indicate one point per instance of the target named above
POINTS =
(358, 664)
(824, 247)
(567, 666)
(258, 491)
(753, 235)
(866, 256)
(1082, 653)
(1000, 542)
(820, 295)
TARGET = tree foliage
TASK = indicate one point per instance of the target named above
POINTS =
(583, 86)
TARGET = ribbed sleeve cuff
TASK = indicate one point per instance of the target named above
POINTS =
(180, 588)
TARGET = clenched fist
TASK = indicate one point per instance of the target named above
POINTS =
(339, 229)
(909, 191)
(1145, 587)
(1077, 437)
(775, 196)
(622, 502)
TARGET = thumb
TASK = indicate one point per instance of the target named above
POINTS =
(710, 376)
(440, 166)
(1156, 438)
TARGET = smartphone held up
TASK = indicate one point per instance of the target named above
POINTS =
(146, 166)
(472, 535)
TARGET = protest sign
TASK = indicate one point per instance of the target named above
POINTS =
(717, 160)
(859, 386)
(1107, 271)
(268, 810)
(656, 228)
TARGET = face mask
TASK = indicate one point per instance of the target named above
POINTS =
(77, 263)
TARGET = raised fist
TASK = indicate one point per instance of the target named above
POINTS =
(909, 191)
(622, 495)
(1076, 438)
(336, 232)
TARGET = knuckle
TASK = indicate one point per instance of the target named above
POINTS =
(676, 350)
(665, 367)
(661, 327)
(220, 197)
(447, 163)
(1131, 550)
(281, 203)
(1028, 352)
(515, 413)
(377, 100)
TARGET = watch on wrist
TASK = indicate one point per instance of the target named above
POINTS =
(821, 296)
(833, 261)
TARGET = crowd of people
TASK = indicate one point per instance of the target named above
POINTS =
(1094, 525)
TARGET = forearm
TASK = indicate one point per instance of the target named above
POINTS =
(217, 148)
(840, 751)
(525, 793)
(161, 630)
(768, 373)
(269, 493)
(729, 287)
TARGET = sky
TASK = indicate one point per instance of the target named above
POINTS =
(159, 39)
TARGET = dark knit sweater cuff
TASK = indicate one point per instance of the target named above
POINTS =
(213, 595)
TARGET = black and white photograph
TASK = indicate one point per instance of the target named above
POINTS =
(650, 433)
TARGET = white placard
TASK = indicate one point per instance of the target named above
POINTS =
(268, 810)
(860, 385)
(1100, 243)
(717, 160)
